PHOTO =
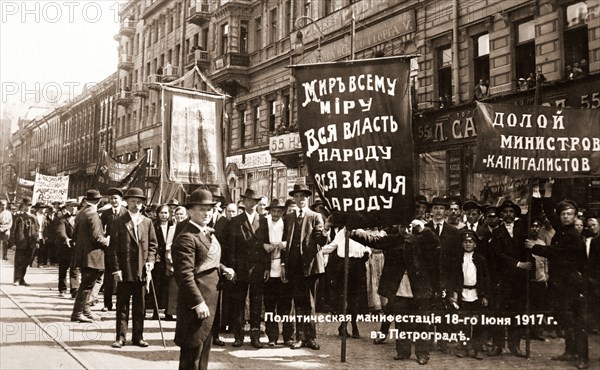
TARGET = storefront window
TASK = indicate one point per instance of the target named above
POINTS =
(432, 174)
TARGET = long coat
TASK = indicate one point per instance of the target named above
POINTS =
(413, 254)
(190, 250)
(90, 243)
(245, 247)
(312, 238)
(483, 278)
(448, 255)
(129, 254)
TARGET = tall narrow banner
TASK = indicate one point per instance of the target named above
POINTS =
(48, 189)
(195, 146)
(114, 174)
(537, 141)
(355, 127)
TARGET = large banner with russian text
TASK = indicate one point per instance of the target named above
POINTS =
(537, 141)
(114, 174)
(48, 189)
(194, 142)
(355, 128)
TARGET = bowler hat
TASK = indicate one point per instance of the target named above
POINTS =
(510, 204)
(471, 204)
(40, 205)
(566, 204)
(454, 200)
(439, 201)
(276, 203)
(216, 193)
(92, 194)
(200, 197)
(300, 188)
(421, 199)
(114, 191)
(134, 193)
(251, 194)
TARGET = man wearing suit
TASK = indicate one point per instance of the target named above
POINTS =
(90, 245)
(132, 253)
(303, 262)
(196, 259)
(510, 271)
(23, 235)
(591, 273)
(107, 217)
(248, 232)
(473, 211)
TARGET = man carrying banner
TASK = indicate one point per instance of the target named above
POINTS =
(303, 262)
(566, 258)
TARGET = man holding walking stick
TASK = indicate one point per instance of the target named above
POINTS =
(132, 252)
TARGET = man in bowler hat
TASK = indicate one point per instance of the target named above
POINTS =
(132, 253)
(197, 265)
(90, 245)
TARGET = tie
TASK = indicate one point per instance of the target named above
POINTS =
(300, 216)
(115, 212)
(437, 229)
(472, 227)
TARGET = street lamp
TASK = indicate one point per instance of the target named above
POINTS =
(299, 46)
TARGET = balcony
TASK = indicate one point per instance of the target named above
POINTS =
(230, 72)
(152, 172)
(200, 13)
(170, 73)
(154, 82)
(125, 98)
(125, 62)
(198, 57)
(140, 89)
(152, 8)
(127, 28)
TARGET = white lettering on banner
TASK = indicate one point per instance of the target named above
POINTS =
(372, 152)
(325, 135)
(541, 121)
(549, 143)
(361, 179)
(537, 164)
(315, 89)
(369, 204)
(380, 124)
(346, 106)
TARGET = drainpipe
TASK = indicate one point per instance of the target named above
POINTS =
(455, 66)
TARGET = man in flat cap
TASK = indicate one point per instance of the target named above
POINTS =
(566, 258)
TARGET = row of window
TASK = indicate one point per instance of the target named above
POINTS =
(252, 131)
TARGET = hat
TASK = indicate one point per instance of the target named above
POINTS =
(510, 204)
(251, 194)
(454, 200)
(289, 202)
(317, 203)
(40, 205)
(467, 234)
(134, 193)
(276, 203)
(216, 193)
(114, 191)
(173, 203)
(200, 197)
(300, 188)
(71, 202)
(566, 204)
(92, 194)
(438, 201)
(490, 210)
(152, 207)
(26, 200)
(471, 204)
(421, 199)
(56, 202)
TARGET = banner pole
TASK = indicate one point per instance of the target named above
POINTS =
(162, 154)
(345, 292)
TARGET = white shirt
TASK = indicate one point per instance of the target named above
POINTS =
(275, 236)
(509, 228)
(469, 278)
(404, 288)
(250, 217)
(213, 258)
(40, 218)
(136, 219)
(356, 249)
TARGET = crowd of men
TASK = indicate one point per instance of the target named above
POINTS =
(214, 266)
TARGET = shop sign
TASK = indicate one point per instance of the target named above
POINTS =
(285, 143)
(250, 160)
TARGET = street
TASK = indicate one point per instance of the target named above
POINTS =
(36, 332)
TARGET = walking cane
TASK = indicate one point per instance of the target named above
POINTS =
(162, 335)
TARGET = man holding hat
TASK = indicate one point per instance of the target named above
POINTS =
(90, 245)
(302, 261)
(197, 265)
(248, 232)
(132, 252)
(24, 236)
(116, 210)
(566, 258)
